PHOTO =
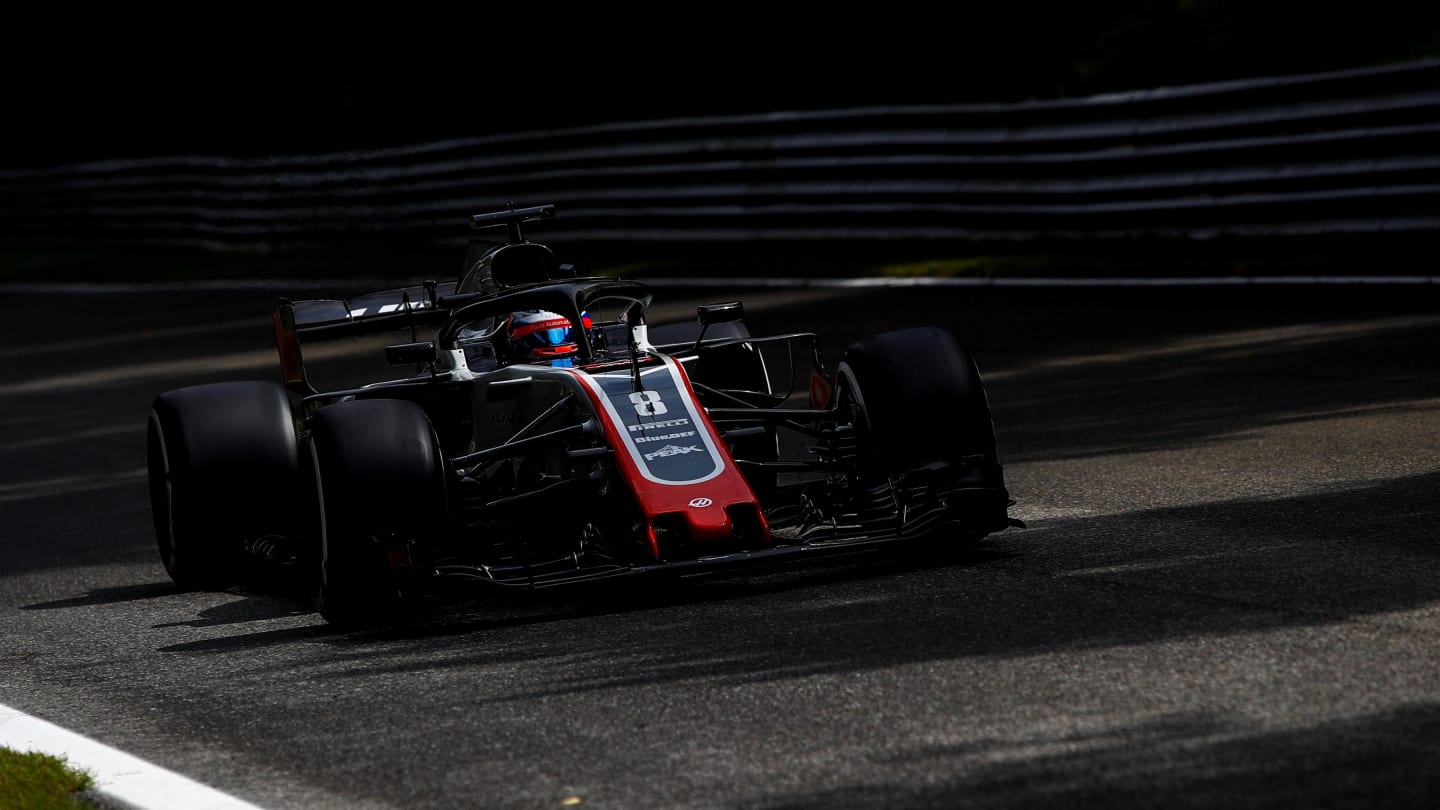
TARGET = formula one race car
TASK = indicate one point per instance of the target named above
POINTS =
(550, 436)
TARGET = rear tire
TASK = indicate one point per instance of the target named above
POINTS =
(376, 475)
(222, 462)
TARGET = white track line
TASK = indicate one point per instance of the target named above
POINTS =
(938, 281)
(315, 285)
(122, 779)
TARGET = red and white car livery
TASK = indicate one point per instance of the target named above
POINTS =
(618, 456)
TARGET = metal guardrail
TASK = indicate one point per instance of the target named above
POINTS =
(1354, 151)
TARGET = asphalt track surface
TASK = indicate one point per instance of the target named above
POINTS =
(1228, 594)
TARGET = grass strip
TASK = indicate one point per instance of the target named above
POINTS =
(31, 780)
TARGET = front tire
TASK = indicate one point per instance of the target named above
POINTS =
(918, 398)
(376, 475)
(222, 462)
(923, 427)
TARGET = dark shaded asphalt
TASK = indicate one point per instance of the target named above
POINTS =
(1228, 595)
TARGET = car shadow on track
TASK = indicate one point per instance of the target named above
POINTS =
(468, 613)
(108, 596)
(1380, 759)
(1207, 571)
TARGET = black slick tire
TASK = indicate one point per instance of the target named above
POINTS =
(375, 472)
(222, 466)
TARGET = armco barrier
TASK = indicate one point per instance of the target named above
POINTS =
(1354, 151)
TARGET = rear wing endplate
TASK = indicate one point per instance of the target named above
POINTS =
(327, 318)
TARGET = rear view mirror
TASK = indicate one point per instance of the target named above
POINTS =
(720, 313)
(727, 312)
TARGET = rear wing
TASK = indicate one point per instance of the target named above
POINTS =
(434, 303)
(371, 312)
(329, 318)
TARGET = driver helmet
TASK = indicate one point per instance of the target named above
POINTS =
(543, 337)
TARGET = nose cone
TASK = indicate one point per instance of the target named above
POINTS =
(705, 528)
(708, 522)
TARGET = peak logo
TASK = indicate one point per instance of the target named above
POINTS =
(673, 450)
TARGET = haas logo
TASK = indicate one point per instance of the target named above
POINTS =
(701, 503)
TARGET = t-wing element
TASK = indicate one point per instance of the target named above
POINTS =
(511, 219)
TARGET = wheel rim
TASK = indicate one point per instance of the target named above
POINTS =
(318, 589)
(162, 495)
